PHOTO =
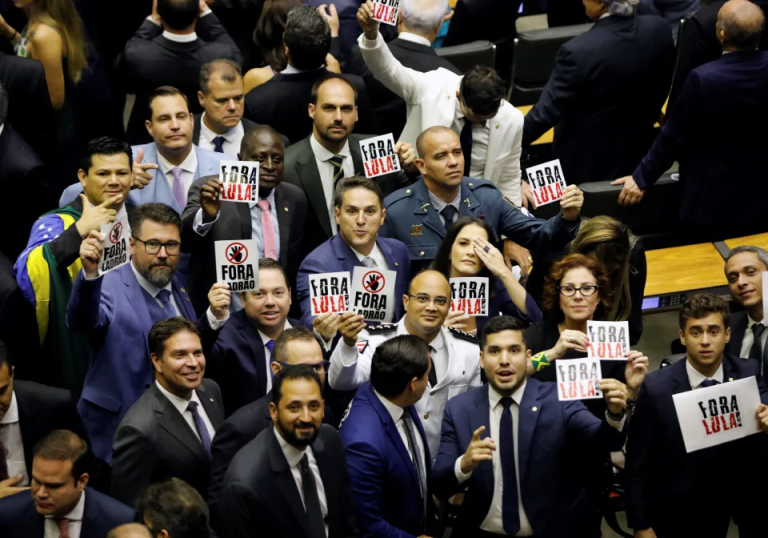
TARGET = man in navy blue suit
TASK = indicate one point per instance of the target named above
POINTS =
(520, 478)
(117, 311)
(386, 448)
(61, 504)
(359, 210)
(665, 485)
(721, 174)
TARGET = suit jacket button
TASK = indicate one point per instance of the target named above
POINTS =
(534, 408)
(426, 416)
(432, 393)
(408, 191)
(730, 379)
(463, 372)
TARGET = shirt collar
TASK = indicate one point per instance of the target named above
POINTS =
(413, 38)
(270, 197)
(751, 322)
(494, 398)
(12, 415)
(179, 403)
(265, 338)
(148, 286)
(696, 378)
(77, 512)
(439, 204)
(292, 454)
(375, 252)
(188, 165)
(604, 15)
(230, 136)
(178, 38)
(290, 70)
(323, 154)
(394, 410)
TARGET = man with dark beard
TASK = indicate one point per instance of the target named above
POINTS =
(291, 481)
(117, 311)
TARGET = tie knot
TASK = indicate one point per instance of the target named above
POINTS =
(263, 204)
(507, 402)
(448, 212)
(758, 328)
(369, 262)
(304, 462)
(164, 296)
(708, 383)
(270, 345)
(218, 144)
(176, 172)
(192, 406)
(337, 161)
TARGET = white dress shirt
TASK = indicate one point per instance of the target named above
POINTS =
(413, 38)
(696, 378)
(749, 338)
(293, 456)
(75, 518)
(327, 170)
(376, 255)
(397, 412)
(10, 437)
(232, 138)
(268, 355)
(481, 133)
(179, 38)
(181, 404)
(188, 168)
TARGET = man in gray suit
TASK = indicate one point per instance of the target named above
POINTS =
(332, 152)
(168, 431)
(276, 221)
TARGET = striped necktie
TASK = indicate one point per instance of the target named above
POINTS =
(338, 169)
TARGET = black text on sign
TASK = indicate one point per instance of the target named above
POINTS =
(386, 12)
(239, 181)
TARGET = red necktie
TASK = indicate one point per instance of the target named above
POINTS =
(63, 524)
(267, 230)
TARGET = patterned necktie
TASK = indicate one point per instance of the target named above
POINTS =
(179, 193)
(756, 351)
(369, 262)
(3, 462)
(510, 514)
(63, 524)
(165, 298)
(465, 138)
(271, 346)
(202, 431)
(267, 230)
(218, 144)
(708, 383)
(338, 169)
(311, 500)
(448, 213)
(418, 461)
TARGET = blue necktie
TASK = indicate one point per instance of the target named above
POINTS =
(465, 139)
(708, 383)
(165, 298)
(510, 512)
(202, 431)
(218, 144)
(271, 346)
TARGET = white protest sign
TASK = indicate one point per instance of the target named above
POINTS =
(608, 340)
(240, 181)
(329, 292)
(373, 293)
(715, 415)
(379, 155)
(547, 182)
(386, 11)
(470, 295)
(578, 379)
(115, 244)
(237, 264)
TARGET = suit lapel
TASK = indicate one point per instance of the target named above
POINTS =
(739, 323)
(135, 295)
(357, 158)
(344, 253)
(309, 176)
(213, 409)
(494, 142)
(250, 336)
(285, 482)
(428, 213)
(529, 411)
(284, 220)
(182, 298)
(469, 204)
(171, 421)
(327, 473)
(680, 381)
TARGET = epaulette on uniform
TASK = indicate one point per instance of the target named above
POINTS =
(381, 328)
(461, 335)
(475, 183)
(398, 195)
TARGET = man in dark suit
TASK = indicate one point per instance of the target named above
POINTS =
(387, 450)
(605, 94)
(729, 95)
(744, 268)
(359, 210)
(665, 484)
(31, 114)
(282, 101)
(28, 412)
(167, 433)
(169, 48)
(61, 504)
(331, 152)
(117, 311)
(418, 25)
(276, 221)
(292, 347)
(509, 445)
(22, 173)
(291, 481)
(173, 509)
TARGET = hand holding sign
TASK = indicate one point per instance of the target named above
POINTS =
(91, 250)
(455, 319)
(210, 199)
(635, 372)
(615, 394)
(350, 325)
(479, 450)
(368, 24)
(94, 216)
(762, 417)
(569, 339)
(407, 155)
(571, 202)
(219, 298)
(141, 174)
(326, 325)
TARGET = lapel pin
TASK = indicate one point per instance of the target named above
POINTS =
(424, 206)
(187, 299)
(497, 125)
(416, 230)
(183, 290)
(467, 201)
(397, 264)
(211, 399)
(534, 408)
(286, 209)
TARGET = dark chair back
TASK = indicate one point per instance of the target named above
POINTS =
(468, 55)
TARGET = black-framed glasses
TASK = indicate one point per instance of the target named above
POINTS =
(172, 248)
(569, 291)
(320, 367)
(424, 299)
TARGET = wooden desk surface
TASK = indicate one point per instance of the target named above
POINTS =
(547, 137)
(677, 269)
(760, 240)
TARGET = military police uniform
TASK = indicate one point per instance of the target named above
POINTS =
(412, 219)
(455, 354)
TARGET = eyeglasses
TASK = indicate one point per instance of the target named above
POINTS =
(570, 291)
(424, 299)
(172, 248)
(320, 367)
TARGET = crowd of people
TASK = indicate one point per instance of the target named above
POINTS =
(152, 400)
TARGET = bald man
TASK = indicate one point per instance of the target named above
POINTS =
(130, 530)
(275, 221)
(716, 132)
(455, 355)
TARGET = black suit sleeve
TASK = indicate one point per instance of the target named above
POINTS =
(699, 46)
(461, 29)
(640, 460)
(135, 47)
(210, 30)
(133, 463)
(241, 513)
(190, 240)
